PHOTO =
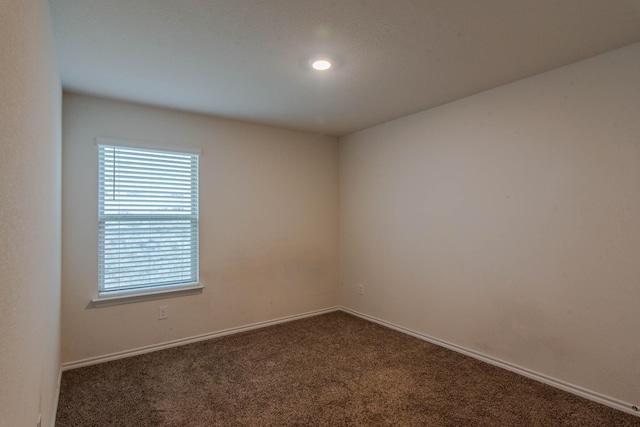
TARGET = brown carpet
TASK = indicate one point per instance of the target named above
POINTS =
(329, 370)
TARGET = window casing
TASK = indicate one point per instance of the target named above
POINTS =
(147, 220)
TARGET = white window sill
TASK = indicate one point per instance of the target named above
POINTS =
(106, 299)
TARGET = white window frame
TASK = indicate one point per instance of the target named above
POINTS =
(150, 290)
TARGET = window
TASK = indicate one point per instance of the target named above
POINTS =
(147, 220)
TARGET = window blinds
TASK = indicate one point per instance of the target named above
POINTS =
(148, 218)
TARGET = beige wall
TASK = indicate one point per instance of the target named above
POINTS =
(29, 215)
(508, 223)
(268, 226)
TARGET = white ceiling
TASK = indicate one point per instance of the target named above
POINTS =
(247, 59)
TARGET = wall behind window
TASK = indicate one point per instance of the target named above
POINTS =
(508, 223)
(268, 226)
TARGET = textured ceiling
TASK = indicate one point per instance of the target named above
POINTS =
(247, 59)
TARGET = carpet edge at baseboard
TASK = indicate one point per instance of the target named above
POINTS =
(189, 340)
(56, 398)
(562, 385)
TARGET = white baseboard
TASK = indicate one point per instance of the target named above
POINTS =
(56, 398)
(182, 341)
(562, 385)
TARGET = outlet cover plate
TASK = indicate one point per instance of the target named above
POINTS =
(162, 312)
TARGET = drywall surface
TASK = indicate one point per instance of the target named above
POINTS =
(30, 105)
(507, 223)
(268, 226)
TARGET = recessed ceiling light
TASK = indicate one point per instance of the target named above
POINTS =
(321, 64)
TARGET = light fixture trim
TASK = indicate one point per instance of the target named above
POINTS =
(321, 64)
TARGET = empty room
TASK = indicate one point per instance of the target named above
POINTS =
(322, 213)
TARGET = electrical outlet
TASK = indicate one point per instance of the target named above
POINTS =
(361, 289)
(162, 312)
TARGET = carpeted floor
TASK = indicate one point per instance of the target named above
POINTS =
(329, 370)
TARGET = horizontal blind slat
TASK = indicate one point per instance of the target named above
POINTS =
(121, 159)
(111, 151)
(181, 262)
(182, 273)
(141, 284)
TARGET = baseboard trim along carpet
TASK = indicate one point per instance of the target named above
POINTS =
(587, 394)
(56, 398)
(182, 341)
(579, 391)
